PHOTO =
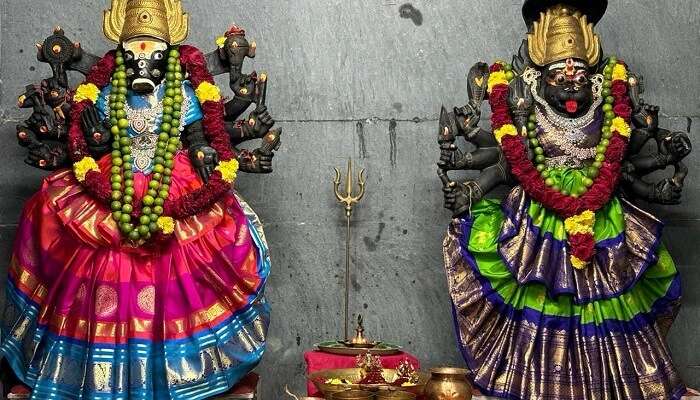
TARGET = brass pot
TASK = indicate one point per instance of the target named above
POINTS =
(353, 395)
(448, 384)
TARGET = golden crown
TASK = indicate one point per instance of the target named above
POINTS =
(561, 33)
(160, 19)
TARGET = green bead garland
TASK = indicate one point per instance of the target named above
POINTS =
(138, 230)
(593, 171)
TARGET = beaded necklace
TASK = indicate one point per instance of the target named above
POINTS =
(122, 176)
(593, 170)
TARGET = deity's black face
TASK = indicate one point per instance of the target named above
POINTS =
(567, 87)
(146, 63)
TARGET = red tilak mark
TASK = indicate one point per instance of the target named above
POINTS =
(143, 46)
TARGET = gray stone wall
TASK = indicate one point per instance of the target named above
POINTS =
(365, 79)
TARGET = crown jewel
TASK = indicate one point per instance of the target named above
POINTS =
(562, 33)
(160, 19)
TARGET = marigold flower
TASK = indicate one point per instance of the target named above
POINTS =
(578, 263)
(207, 92)
(621, 126)
(166, 225)
(497, 78)
(221, 41)
(86, 91)
(505, 130)
(619, 73)
(228, 169)
(580, 224)
(82, 167)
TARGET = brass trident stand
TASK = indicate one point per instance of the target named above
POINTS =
(349, 200)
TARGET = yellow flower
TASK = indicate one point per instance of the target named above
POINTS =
(207, 92)
(582, 223)
(497, 78)
(578, 263)
(619, 73)
(82, 167)
(620, 126)
(228, 170)
(221, 41)
(166, 225)
(505, 130)
(86, 91)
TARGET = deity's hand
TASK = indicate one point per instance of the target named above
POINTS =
(97, 133)
(467, 119)
(48, 156)
(204, 160)
(451, 157)
(667, 192)
(459, 197)
(255, 162)
(520, 99)
(676, 145)
(646, 117)
(259, 123)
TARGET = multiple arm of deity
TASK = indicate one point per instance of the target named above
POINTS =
(486, 157)
(651, 148)
(45, 132)
(668, 150)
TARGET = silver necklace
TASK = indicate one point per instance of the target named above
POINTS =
(566, 123)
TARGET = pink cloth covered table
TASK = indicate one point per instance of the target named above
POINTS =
(318, 361)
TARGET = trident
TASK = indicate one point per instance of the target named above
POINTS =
(349, 200)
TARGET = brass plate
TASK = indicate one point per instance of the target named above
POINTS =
(380, 349)
(354, 375)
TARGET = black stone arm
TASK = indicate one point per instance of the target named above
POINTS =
(257, 125)
(203, 157)
(45, 132)
(460, 197)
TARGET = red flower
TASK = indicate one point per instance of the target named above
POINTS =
(582, 246)
(623, 111)
(496, 67)
(619, 88)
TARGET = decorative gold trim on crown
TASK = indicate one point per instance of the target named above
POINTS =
(114, 20)
(162, 19)
(561, 33)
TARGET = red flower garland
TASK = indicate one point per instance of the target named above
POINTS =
(98, 185)
(598, 195)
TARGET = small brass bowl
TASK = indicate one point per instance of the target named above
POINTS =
(353, 395)
(395, 395)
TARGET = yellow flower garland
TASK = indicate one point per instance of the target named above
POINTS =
(580, 224)
(621, 126)
(86, 91)
(82, 167)
(619, 73)
(497, 78)
(505, 130)
(228, 169)
(166, 225)
(207, 92)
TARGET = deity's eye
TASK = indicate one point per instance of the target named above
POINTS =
(158, 55)
(560, 79)
(129, 56)
(581, 79)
